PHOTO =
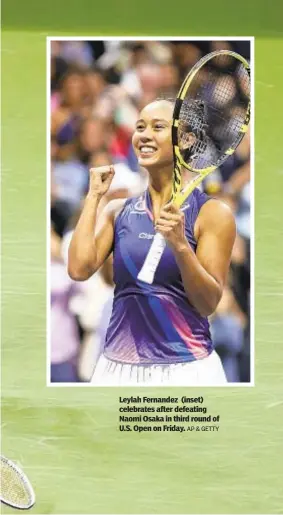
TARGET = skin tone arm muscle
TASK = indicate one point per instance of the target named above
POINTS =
(204, 273)
(92, 240)
(87, 251)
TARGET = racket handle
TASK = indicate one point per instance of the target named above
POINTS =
(152, 259)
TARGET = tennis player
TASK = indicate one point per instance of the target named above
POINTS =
(158, 334)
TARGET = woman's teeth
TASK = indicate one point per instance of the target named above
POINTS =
(147, 150)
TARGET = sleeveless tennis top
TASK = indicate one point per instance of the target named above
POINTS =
(153, 324)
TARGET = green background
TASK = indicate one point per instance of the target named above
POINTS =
(66, 439)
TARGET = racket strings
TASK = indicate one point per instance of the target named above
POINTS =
(215, 111)
(192, 121)
(14, 490)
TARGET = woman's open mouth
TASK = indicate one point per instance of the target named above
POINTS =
(147, 150)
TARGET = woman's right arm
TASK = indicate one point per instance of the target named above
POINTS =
(87, 250)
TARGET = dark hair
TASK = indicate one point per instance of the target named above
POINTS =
(193, 115)
(71, 71)
(193, 118)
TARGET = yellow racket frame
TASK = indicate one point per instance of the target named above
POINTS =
(179, 195)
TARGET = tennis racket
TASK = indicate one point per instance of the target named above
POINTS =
(16, 490)
(211, 116)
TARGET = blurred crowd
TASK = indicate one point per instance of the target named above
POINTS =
(97, 90)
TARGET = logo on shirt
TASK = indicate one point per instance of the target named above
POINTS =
(140, 205)
(146, 236)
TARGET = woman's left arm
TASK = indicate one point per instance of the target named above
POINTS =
(204, 272)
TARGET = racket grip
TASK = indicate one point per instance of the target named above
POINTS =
(152, 259)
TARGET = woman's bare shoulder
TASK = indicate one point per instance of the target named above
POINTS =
(215, 215)
(216, 208)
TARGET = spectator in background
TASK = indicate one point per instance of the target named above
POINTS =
(67, 115)
(185, 56)
(77, 53)
(170, 80)
(227, 326)
(230, 322)
(94, 136)
(59, 68)
(65, 341)
(71, 175)
(95, 84)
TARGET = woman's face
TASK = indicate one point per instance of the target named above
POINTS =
(92, 135)
(152, 139)
(72, 89)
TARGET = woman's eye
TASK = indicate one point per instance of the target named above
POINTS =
(159, 126)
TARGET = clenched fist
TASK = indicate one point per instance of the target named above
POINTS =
(100, 179)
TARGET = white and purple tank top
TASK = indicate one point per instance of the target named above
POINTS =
(153, 324)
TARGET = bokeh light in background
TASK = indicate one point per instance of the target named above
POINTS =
(97, 91)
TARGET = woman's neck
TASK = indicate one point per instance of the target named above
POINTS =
(160, 189)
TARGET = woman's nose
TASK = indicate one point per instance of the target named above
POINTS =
(146, 134)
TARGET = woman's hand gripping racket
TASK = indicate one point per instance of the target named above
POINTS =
(210, 118)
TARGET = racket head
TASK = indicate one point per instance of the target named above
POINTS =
(16, 490)
(211, 116)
